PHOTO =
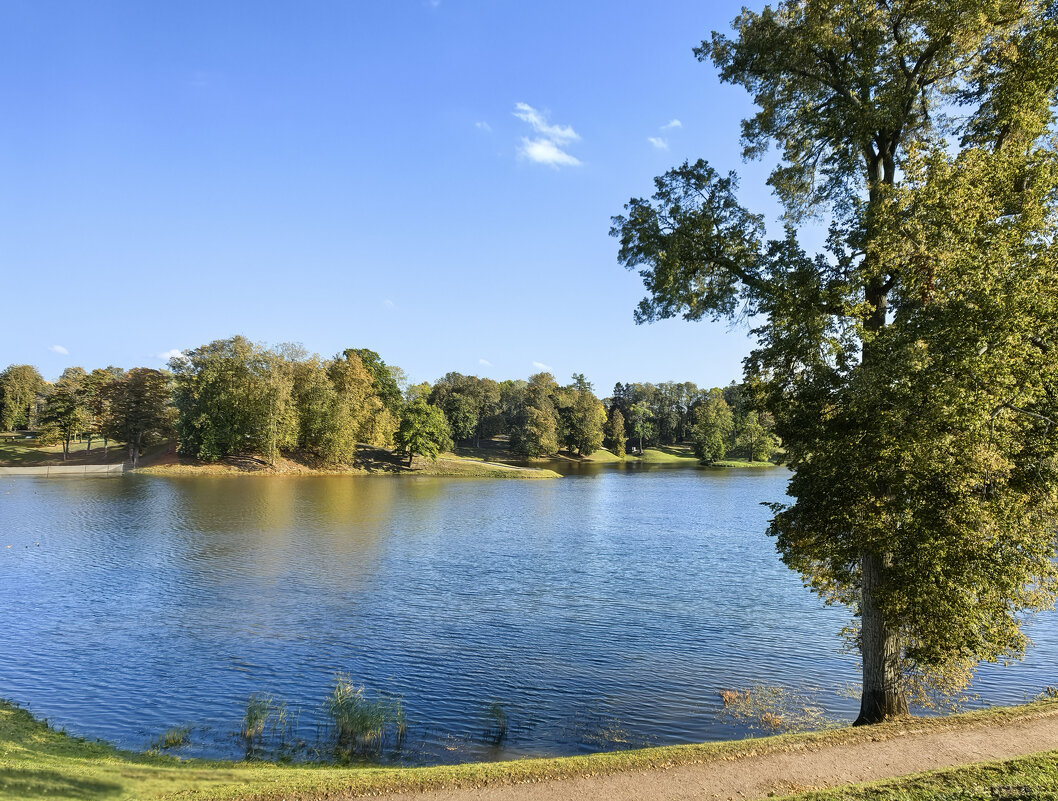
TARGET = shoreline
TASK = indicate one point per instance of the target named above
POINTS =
(52, 761)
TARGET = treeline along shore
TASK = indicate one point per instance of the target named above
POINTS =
(234, 399)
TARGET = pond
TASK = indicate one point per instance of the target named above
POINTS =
(607, 609)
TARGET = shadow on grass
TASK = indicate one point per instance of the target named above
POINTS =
(38, 784)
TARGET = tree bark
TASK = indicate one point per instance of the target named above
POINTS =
(883, 696)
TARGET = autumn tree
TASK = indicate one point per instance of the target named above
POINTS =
(535, 432)
(20, 385)
(910, 369)
(65, 412)
(137, 409)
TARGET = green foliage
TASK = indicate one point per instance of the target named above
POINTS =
(423, 431)
(137, 409)
(535, 431)
(65, 413)
(713, 424)
(615, 432)
(583, 417)
(758, 443)
(911, 371)
(20, 385)
(640, 416)
(385, 379)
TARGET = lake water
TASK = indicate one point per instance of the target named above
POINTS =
(604, 610)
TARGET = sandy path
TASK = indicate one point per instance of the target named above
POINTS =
(756, 776)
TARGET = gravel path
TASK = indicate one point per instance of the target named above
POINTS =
(756, 776)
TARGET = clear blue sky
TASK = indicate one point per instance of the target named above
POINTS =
(430, 179)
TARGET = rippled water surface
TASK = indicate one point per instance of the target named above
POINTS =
(602, 610)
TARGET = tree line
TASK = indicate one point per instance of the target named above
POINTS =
(235, 397)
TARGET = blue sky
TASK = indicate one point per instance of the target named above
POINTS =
(432, 180)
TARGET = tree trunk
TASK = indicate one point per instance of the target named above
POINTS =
(883, 696)
(105, 440)
(132, 454)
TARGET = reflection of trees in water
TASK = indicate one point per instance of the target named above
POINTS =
(307, 530)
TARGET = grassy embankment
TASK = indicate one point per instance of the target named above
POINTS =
(671, 454)
(37, 762)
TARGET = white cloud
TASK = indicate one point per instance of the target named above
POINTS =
(485, 362)
(538, 121)
(674, 123)
(548, 147)
(658, 142)
(542, 366)
(389, 304)
(544, 151)
(59, 349)
(172, 353)
(481, 125)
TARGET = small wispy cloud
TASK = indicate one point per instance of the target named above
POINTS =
(542, 366)
(538, 121)
(484, 362)
(548, 146)
(481, 125)
(389, 304)
(673, 123)
(172, 353)
(59, 349)
(658, 142)
(433, 3)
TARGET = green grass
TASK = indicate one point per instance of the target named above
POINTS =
(18, 452)
(39, 763)
(606, 457)
(1031, 778)
(668, 454)
(740, 463)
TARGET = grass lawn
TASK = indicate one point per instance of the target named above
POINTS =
(668, 453)
(740, 463)
(39, 763)
(1031, 778)
(18, 452)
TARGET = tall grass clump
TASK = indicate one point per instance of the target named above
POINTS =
(359, 724)
(264, 715)
(175, 737)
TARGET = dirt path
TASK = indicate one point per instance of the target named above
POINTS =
(756, 776)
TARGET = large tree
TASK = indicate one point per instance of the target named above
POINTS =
(65, 412)
(911, 369)
(713, 423)
(20, 385)
(423, 431)
(138, 411)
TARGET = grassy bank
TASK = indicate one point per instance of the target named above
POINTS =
(17, 451)
(375, 462)
(37, 762)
